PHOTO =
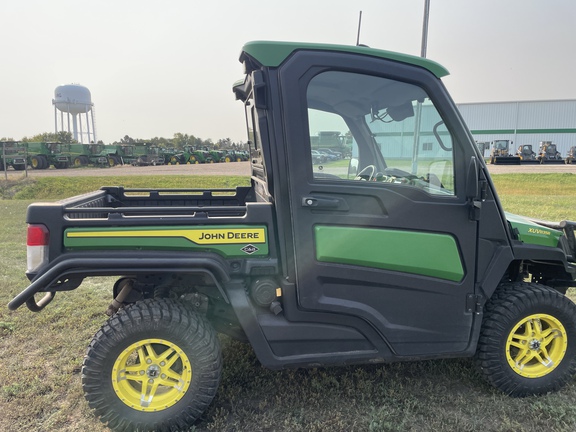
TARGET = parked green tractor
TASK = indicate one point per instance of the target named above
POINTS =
(87, 154)
(189, 155)
(233, 156)
(120, 154)
(41, 155)
(146, 154)
(217, 155)
(12, 154)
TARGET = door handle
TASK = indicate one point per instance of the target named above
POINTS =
(324, 203)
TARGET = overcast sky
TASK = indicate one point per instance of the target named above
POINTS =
(155, 68)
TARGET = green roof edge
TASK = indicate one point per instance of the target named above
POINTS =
(272, 54)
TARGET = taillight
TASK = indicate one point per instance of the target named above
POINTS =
(37, 246)
(38, 235)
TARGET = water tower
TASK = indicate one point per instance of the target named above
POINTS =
(75, 101)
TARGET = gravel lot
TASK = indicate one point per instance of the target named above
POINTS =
(239, 169)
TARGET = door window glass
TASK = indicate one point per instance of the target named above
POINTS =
(368, 128)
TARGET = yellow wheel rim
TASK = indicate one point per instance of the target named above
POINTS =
(151, 375)
(536, 345)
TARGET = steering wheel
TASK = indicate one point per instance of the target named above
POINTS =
(363, 174)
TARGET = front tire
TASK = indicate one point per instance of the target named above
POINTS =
(155, 365)
(527, 344)
(36, 162)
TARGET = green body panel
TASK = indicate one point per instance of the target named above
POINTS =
(228, 241)
(532, 233)
(272, 54)
(421, 253)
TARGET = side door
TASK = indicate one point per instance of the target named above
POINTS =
(384, 232)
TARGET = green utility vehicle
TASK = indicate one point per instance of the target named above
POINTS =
(13, 154)
(411, 257)
(41, 155)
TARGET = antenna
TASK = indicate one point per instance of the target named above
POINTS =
(425, 28)
(359, 26)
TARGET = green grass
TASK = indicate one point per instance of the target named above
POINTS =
(542, 196)
(58, 187)
(41, 354)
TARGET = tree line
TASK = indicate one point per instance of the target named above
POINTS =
(178, 141)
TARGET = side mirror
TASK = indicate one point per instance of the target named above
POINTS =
(475, 189)
(472, 189)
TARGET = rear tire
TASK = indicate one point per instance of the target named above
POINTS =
(527, 344)
(155, 365)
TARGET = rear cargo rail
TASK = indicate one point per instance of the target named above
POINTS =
(119, 202)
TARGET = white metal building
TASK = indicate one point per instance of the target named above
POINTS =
(523, 122)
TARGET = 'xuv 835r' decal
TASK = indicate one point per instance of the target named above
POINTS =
(229, 241)
(422, 253)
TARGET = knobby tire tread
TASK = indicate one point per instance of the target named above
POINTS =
(508, 305)
(170, 317)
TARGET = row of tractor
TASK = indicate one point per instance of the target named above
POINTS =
(43, 155)
(547, 154)
(192, 155)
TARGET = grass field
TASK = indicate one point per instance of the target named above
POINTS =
(41, 354)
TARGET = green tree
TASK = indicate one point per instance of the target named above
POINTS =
(62, 137)
(127, 140)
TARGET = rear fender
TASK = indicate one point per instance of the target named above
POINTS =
(65, 272)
